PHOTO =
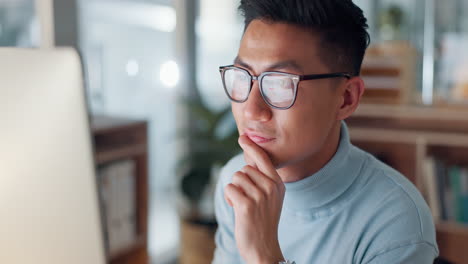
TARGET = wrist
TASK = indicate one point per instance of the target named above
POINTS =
(271, 260)
(275, 256)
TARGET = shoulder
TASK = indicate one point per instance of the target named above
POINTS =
(396, 191)
(395, 213)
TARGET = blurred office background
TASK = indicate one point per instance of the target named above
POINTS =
(145, 58)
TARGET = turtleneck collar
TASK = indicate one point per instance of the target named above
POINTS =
(321, 191)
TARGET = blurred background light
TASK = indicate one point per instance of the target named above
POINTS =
(132, 68)
(169, 73)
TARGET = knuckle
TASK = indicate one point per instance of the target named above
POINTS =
(238, 176)
(259, 195)
(270, 187)
(228, 189)
(247, 168)
(247, 206)
(282, 188)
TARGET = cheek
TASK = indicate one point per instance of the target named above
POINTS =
(300, 128)
(320, 102)
(309, 120)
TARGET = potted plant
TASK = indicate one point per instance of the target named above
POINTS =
(213, 141)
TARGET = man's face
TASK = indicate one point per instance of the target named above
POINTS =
(301, 133)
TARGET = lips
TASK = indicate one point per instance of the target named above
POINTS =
(258, 137)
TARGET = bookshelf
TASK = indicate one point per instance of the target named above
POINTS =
(389, 70)
(404, 137)
(124, 141)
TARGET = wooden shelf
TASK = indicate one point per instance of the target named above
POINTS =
(412, 118)
(453, 155)
(452, 239)
(388, 72)
(140, 243)
(452, 228)
(106, 156)
(118, 139)
(403, 137)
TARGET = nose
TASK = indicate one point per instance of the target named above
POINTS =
(255, 108)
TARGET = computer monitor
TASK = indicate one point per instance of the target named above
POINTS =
(49, 208)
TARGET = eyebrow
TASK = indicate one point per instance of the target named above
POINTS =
(287, 64)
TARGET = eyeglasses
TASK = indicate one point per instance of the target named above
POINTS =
(278, 89)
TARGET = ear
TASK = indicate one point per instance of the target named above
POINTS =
(351, 96)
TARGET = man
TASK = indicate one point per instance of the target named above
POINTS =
(301, 191)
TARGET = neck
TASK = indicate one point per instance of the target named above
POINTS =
(311, 164)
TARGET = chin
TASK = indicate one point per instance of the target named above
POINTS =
(277, 156)
(281, 160)
(278, 161)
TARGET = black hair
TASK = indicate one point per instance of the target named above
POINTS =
(340, 24)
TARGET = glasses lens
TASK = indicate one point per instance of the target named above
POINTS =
(278, 89)
(237, 84)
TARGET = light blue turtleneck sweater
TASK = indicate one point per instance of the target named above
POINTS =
(354, 210)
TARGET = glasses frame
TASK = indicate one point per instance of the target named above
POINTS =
(295, 77)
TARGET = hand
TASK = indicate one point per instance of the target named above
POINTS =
(256, 194)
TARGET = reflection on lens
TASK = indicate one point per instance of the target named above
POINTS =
(237, 84)
(278, 89)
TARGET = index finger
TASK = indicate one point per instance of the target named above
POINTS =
(260, 157)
